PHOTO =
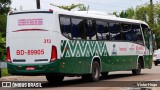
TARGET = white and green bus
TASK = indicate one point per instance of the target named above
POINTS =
(59, 43)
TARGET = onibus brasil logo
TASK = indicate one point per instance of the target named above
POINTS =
(21, 84)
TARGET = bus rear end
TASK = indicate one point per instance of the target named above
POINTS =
(29, 42)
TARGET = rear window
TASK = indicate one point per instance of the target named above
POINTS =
(35, 21)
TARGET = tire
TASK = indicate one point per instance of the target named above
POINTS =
(155, 63)
(104, 74)
(54, 78)
(95, 71)
(137, 71)
(95, 74)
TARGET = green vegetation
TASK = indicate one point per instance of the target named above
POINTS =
(4, 9)
(82, 7)
(69, 8)
(4, 72)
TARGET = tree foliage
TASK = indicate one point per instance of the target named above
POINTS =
(82, 7)
(129, 13)
(69, 8)
(4, 6)
(4, 9)
(2, 47)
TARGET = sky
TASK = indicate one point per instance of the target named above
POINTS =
(108, 6)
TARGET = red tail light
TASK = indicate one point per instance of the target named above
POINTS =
(53, 54)
(8, 57)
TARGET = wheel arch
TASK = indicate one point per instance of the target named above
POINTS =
(98, 59)
(141, 58)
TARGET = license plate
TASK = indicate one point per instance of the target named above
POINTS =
(30, 68)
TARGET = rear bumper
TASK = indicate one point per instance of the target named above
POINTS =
(40, 69)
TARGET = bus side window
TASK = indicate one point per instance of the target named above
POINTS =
(90, 28)
(77, 28)
(115, 31)
(102, 30)
(126, 32)
(146, 34)
(65, 26)
(137, 34)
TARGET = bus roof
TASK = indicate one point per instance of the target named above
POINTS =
(89, 14)
(30, 11)
(101, 15)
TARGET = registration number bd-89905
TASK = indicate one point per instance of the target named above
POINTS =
(30, 52)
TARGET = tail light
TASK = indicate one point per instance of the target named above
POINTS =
(53, 54)
(8, 57)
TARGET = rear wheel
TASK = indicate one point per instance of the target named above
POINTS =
(138, 70)
(94, 76)
(55, 78)
(95, 71)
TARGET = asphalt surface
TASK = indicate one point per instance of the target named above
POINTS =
(121, 80)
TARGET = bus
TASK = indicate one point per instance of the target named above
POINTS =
(57, 43)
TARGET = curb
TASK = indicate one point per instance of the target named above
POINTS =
(10, 78)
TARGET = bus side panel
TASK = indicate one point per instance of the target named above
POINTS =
(77, 56)
(147, 61)
(123, 55)
(81, 53)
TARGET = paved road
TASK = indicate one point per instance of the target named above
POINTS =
(121, 78)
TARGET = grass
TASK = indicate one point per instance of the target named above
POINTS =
(4, 72)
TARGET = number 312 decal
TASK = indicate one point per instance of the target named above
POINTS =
(47, 40)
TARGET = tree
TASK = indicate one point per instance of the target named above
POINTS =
(4, 6)
(4, 9)
(69, 8)
(129, 13)
(2, 47)
(142, 12)
(123, 14)
(82, 7)
(116, 14)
